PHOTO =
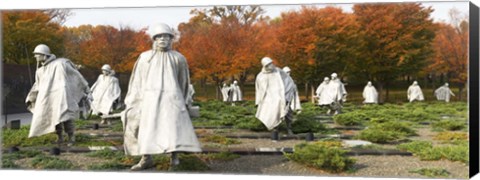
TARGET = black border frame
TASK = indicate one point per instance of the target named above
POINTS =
(473, 89)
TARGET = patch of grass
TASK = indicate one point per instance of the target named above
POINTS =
(379, 136)
(451, 136)
(115, 165)
(188, 162)
(48, 162)
(449, 125)
(8, 159)
(8, 163)
(351, 119)
(306, 123)
(20, 138)
(221, 156)
(219, 140)
(325, 155)
(425, 151)
(386, 131)
(431, 172)
(191, 163)
(83, 140)
(117, 127)
(106, 154)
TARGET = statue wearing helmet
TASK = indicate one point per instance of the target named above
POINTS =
(105, 92)
(336, 94)
(274, 93)
(156, 116)
(54, 97)
(235, 93)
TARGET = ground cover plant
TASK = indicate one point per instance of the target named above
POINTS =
(431, 172)
(325, 155)
(426, 151)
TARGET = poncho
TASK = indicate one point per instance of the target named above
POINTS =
(272, 90)
(156, 118)
(104, 92)
(414, 92)
(443, 93)
(370, 94)
(58, 89)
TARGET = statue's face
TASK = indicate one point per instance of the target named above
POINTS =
(40, 57)
(270, 67)
(105, 72)
(163, 41)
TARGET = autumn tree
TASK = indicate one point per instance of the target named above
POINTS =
(315, 42)
(396, 41)
(221, 43)
(93, 46)
(451, 51)
(23, 30)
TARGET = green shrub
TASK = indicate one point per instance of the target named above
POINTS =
(251, 123)
(8, 163)
(379, 135)
(115, 165)
(382, 130)
(219, 140)
(221, 156)
(8, 159)
(431, 172)
(450, 125)
(117, 127)
(451, 136)
(190, 163)
(403, 128)
(415, 146)
(106, 154)
(307, 125)
(350, 119)
(20, 138)
(83, 140)
(327, 156)
(48, 162)
(426, 151)
(419, 115)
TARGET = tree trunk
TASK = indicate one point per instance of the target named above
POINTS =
(312, 93)
(306, 91)
(461, 87)
(380, 93)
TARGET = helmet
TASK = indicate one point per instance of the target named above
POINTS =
(42, 49)
(286, 69)
(326, 79)
(106, 67)
(158, 29)
(446, 84)
(266, 61)
(235, 82)
(334, 75)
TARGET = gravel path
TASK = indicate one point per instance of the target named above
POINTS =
(367, 166)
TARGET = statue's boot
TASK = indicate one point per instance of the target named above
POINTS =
(71, 139)
(145, 163)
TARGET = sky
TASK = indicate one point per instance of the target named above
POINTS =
(144, 13)
(143, 17)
